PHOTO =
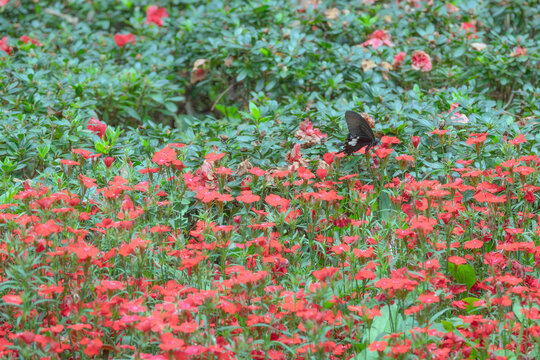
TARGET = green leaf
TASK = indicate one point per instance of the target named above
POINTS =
(464, 274)
(447, 325)
(254, 111)
(131, 112)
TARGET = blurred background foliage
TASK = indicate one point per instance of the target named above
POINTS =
(289, 59)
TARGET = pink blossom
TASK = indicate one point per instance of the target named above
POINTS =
(27, 39)
(421, 61)
(519, 51)
(470, 29)
(4, 46)
(155, 15)
(310, 134)
(206, 176)
(97, 127)
(399, 58)
(457, 116)
(451, 9)
(378, 38)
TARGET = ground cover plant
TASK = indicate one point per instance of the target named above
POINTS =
(172, 184)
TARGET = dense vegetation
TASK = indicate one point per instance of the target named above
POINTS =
(171, 185)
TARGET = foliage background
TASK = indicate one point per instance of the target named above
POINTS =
(270, 64)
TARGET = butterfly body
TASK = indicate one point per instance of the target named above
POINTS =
(360, 134)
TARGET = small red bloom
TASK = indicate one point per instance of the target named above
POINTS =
(325, 273)
(84, 251)
(97, 127)
(155, 15)
(165, 156)
(212, 157)
(108, 161)
(4, 46)
(69, 162)
(378, 346)
(378, 38)
(519, 51)
(124, 39)
(476, 139)
(399, 58)
(248, 197)
(94, 347)
(328, 158)
(439, 132)
(520, 139)
(421, 61)
(321, 173)
(12, 299)
(27, 39)
(428, 298)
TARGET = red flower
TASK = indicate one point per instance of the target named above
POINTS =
(309, 134)
(248, 197)
(519, 51)
(390, 140)
(69, 162)
(378, 346)
(124, 39)
(94, 347)
(378, 38)
(421, 61)
(328, 158)
(5, 46)
(406, 158)
(47, 228)
(295, 155)
(439, 132)
(155, 15)
(87, 182)
(27, 39)
(305, 173)
(428, 298)
(457, 260)
(473, 244)
(212, 157)
(321, 173)
(257, 171)
(12, 299)
(97, 127)
(476, 139)
(382, 152)
(470, 29)
(399, 58)
(277, 201)
(188, 327)
(84, 251)
(165, 156)
(4, 2)
(325, 273)
(518, 140)
(365, 275)
(108, 161)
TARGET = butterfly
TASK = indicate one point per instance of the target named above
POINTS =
(360, 134)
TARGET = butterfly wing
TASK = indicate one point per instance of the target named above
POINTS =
(358, 125)
(355, 143)
(360, 133)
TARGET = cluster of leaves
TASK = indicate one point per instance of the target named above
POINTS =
(163, 195)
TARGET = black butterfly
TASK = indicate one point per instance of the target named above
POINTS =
(360, 134)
